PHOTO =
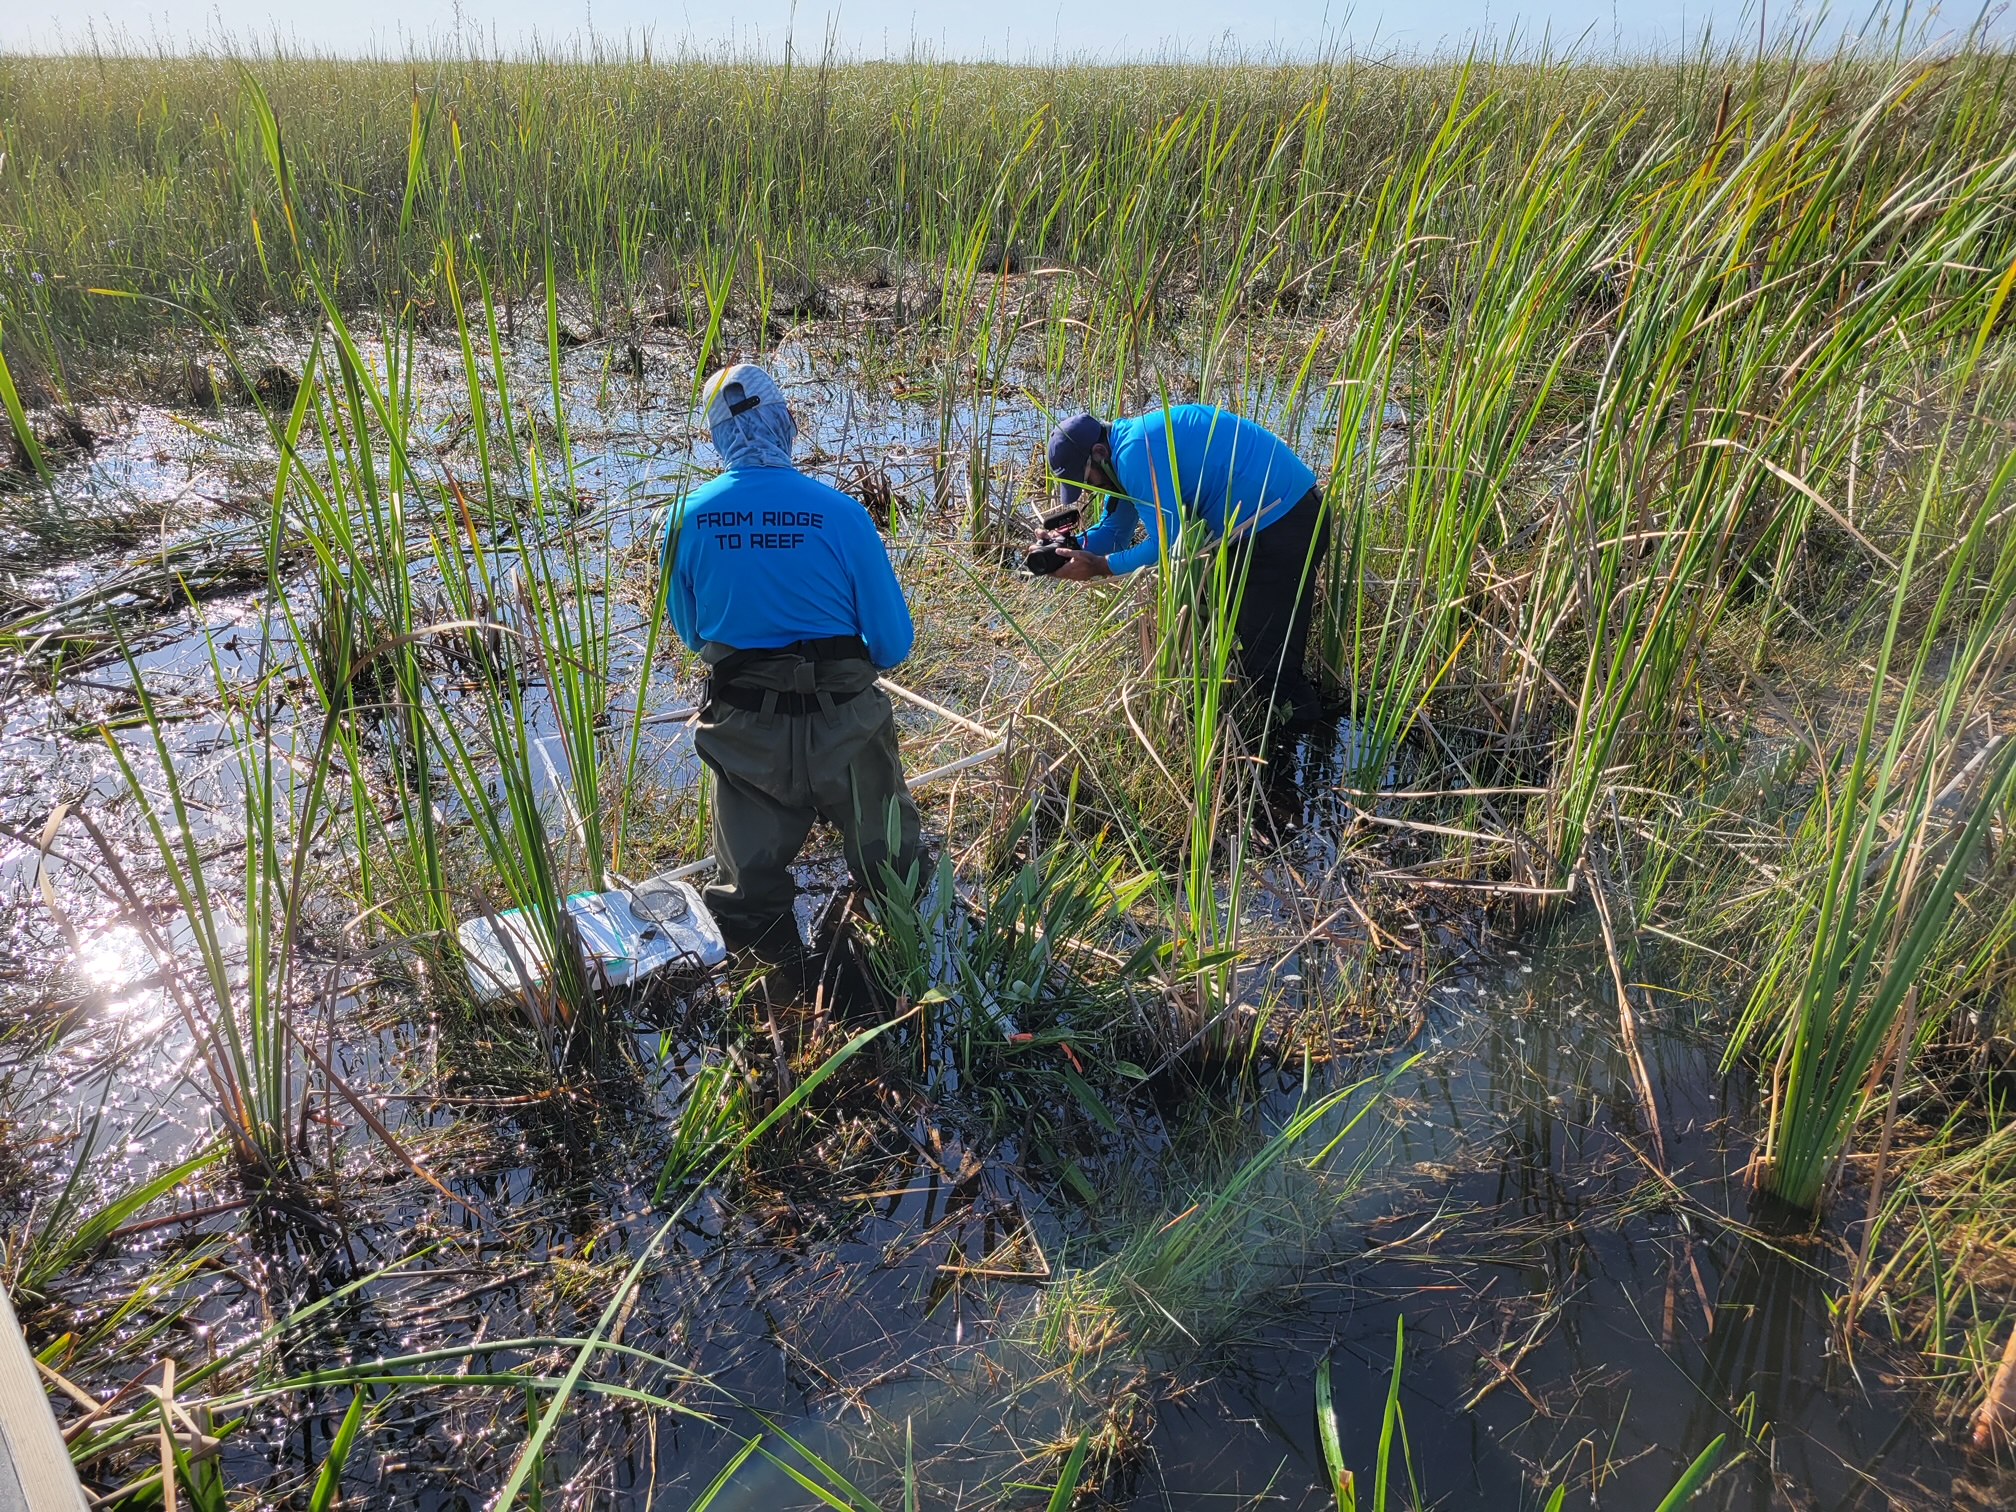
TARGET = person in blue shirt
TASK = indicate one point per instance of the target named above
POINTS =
(1174, 474)
(783, 586)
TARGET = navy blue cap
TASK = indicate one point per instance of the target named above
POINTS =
(1071, 452)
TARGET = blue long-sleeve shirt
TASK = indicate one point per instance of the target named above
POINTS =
(1229, 474)
(764, 556)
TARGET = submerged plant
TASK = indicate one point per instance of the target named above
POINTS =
(1393, 1428)
(1185, 1279)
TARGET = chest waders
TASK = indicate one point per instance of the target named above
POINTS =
(789, 736)
(1284, 566)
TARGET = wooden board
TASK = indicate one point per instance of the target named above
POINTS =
(35, 1470)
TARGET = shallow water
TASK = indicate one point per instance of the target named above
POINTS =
(1512, 1217)
(1512, 1213)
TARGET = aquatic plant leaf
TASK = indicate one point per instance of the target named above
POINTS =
(1694, 1478)
(1341, 1485)
(329, 1480)
(728, 1473)
(1067, 1483)
(24, 435)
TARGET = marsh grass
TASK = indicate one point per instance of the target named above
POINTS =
(1638, 392)
(1897, 832)
(241, 1001)
(661, 186)
(1041, 947)
(1190, 695)
(78, 1220)
(521, 607)
(713, 1112)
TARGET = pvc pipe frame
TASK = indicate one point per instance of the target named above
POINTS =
(922, 779)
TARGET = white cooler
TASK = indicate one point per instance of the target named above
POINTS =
(627, 936)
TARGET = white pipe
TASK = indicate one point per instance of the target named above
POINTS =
(999, 748)
(562, 788)
(672, 716)
(939, 709)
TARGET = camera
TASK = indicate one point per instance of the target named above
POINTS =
(1044, 558)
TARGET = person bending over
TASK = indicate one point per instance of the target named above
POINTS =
(1197, 463)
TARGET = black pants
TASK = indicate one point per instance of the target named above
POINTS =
(1284, 564)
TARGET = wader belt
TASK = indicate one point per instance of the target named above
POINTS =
(723, 689)
(770, 701)
(825, 648)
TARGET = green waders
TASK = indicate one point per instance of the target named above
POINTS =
(819, 742)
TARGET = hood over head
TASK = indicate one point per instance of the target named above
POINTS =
(747, 417)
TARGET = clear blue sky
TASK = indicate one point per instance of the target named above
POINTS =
(1039, 29)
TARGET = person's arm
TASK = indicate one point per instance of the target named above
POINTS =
(1161, 509)
(879, 606)
(1084, 566)
(675, 583)
(1115, 529)
(1146, 553)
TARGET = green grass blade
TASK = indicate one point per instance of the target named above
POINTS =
(1067, 1483)
(18, 418)
(1695, 1477)
(728, 1473)
(1341, 1486)
(329, 1481)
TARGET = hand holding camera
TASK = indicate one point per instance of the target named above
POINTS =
(1059, 530)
